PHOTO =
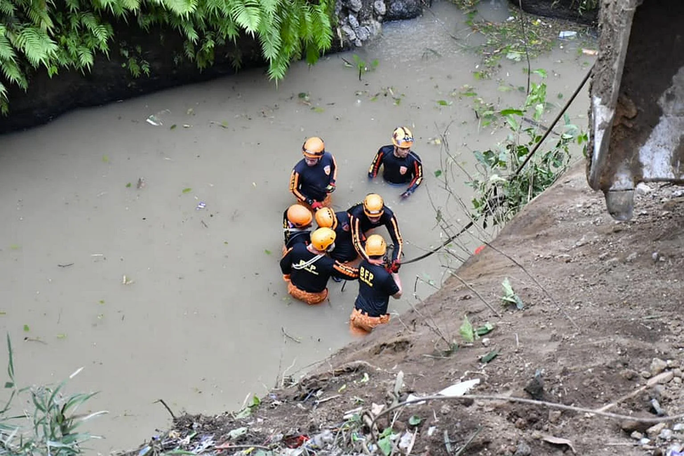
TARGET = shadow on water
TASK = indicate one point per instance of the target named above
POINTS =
(165, 300)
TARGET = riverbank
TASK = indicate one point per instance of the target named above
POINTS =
(600, 330)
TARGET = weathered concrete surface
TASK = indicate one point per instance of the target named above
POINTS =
(359, 21)
(637, 96)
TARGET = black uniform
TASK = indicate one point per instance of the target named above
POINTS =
(294, 235)
(361, 225)
(376, 285)
(398, 170)
(308, 183)
(309, 274)
(344, 246)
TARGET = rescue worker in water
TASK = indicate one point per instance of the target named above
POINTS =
(313, 178)
(370, 214)
(400, 164)
(307, 268)
(376, 285)
(297, 222)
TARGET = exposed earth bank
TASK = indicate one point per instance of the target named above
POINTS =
(601, 330)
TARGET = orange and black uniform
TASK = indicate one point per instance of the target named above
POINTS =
(396, 170)
(376, 285)
(311, 275)
(344, 246)
(308, 183)
(360, 224)
(293, 234)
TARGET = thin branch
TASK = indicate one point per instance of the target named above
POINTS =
(465, 445)
(553, 405)
(289, 336)
(166, 407)
(478, 294)
(527, 52)
(432, 325)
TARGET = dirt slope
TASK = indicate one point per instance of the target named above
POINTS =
(601, 316)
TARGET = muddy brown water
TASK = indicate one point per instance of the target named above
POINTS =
(160, 300)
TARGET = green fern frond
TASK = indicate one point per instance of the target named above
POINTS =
(6, 49)
(85, 58)
(189, 50)
(245, 13)
(38, 14)
(270, 7)
(179, 7)
(7, 8)
(4, 101)
(72, 5)
(13, 74)
(277, 69)
(36, 45)
(270, 45)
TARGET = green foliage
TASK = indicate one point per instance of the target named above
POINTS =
(49, 36)
(502, 188)
(49, 426)
(509, 296)
(361, 66)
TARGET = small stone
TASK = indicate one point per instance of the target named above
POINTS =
(657, 366)
(636, 435)
(631, 257)
(486, 341)
(355, 5)
(629, 374)
(631, 426)
(655, 256)
(677, 380)
(644, 441)
(645, 374)
(678, 427)
(665, 434)
(643, 189)
(554, 416)
(523, 449)
(654, 430)
(379, 7)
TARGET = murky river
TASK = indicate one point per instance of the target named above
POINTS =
(161, 300)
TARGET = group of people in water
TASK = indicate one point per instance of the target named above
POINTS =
(343, 247)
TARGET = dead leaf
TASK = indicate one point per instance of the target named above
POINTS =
(558, 441)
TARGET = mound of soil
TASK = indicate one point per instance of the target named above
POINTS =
(589, 365)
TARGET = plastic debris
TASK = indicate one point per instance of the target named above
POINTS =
(567, 34)
(459, 389)
(201, 205)
(154, 121)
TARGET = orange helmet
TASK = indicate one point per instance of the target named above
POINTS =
(375, 246)
(402, 137)
(373, 205)
(326, 218)
(313, 147)
(323, 238)
(299, 216)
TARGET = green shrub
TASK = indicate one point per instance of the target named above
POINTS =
(49, 426)
(51, 36)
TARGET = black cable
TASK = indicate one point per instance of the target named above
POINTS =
(517, 171)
